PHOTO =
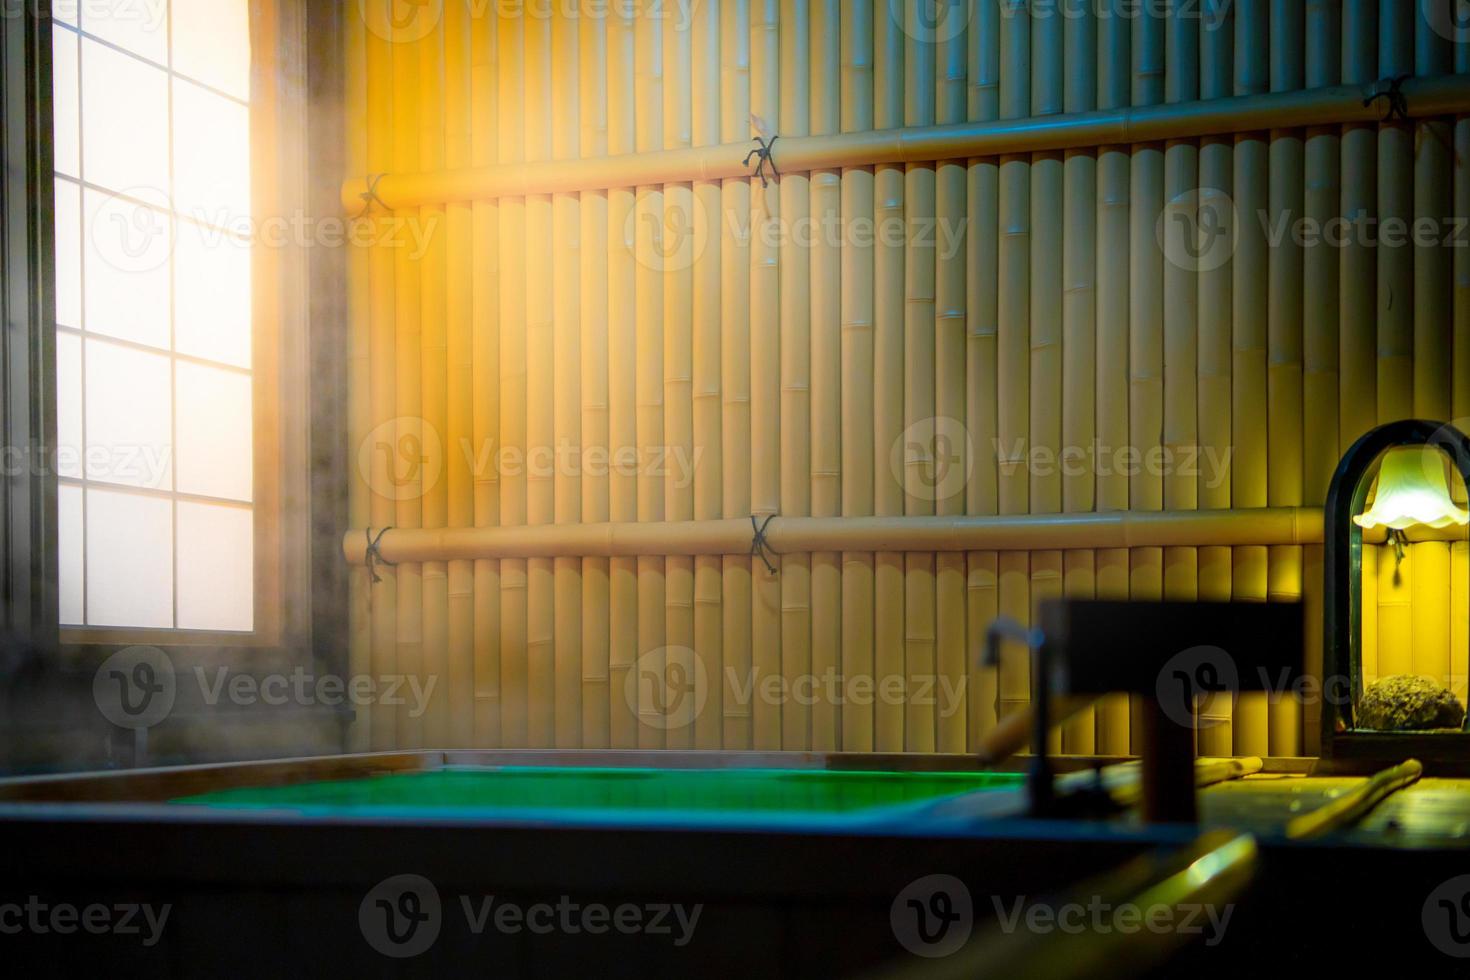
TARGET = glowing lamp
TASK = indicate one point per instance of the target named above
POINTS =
(1412, 492)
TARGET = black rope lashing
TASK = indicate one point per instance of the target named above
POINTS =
(370, 195)
(763, 155)
(759, 545)
(1398, 104)
(374, 554)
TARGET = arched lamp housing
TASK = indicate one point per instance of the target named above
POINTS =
(1402, 716)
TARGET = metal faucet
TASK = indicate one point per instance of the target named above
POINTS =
(1038, 774)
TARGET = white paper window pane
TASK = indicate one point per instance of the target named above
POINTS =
(124, 122)
(68, 254)
(69, 558)
(130, 575)
(69, 405)
(66, 121)
(216, 567)
(211, 157)
(139, 26)
(127, 399)
(213, 431)
(127, 283)
(212, 295)
(211, 43)
(65, 11)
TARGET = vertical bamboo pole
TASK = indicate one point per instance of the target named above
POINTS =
(888, 376)
(434, 367)
(952, 447)
(1459, 617)
(1013, 326)
(1395, 612)
(795, 259)
(981, 240)
(1357, 263)
(1013, 600)
(623, 682)
(1145, 584)
(1216, 57)
(707, 408)
(1395, 206)
(1284, 342)
(765, 375)
(359, 372)
(681, 249)
(827, 437)
(857, 378)
(540, 385)
(566, 333)
(1461, 268)
(1430, 602)
(650, 55)
(1113, 210)
(1249, 322)
(485, 383)
(919, 407)
(1433, 142)
(735, 375)
(1369, 637)
(1079, 328)
(408, 382)
(1046, 583)
(512, 249)
(593, 291)
(460, 505)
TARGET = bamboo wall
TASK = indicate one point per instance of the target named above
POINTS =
(996, 304)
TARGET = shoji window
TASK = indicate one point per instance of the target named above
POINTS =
(157, 450)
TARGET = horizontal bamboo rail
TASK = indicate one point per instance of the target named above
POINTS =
(796, 535)
(1437, 95)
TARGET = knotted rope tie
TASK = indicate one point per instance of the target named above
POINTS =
(759, 546)
(373, 555)
(1398, 104)
(371, 194)
(763, 153)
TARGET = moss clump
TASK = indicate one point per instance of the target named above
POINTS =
(1406, 703)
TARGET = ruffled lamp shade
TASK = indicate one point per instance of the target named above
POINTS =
(1412, 492)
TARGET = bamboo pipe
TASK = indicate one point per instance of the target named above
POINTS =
(1145, 584)
(888, 374)
(1079, 581)
(360, 366)
(1013, 369)
(1460, 342)
(1023, 532)
(1047, 584)
(735, 379)
(622, 391)
(434, 368)
(1321, 199)
(765, 374)
(485, 383)
(512, 295)
(651, 58)
(827, 436)
(1459, 618)
(1285, 344)
(1334, 105)
(459, 698)
(1358, 340)
(1430, 604)
(408, 384)
(1250, 718)
(1432, 198)
(706, 47)
(1215, 718)
(1048, 190)
(567, 489)
(1355, 804)
(1214, 283)
(1369, 629)
(541, 359)
(919, 378)
(1395, 204)
(1011, 735)
(1146, 271)
(595, 421)
(1395, 614)
(1111, 729)
(1013, 600)
(857, 375)
(1112, 275)
(680, 255)
(981, 607)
